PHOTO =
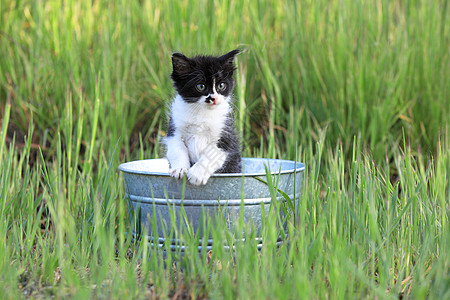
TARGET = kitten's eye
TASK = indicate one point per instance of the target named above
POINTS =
(200, 87)
(222, 86)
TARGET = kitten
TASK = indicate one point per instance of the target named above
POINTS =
(201, 138)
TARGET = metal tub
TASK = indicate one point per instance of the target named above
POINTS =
(156, 198)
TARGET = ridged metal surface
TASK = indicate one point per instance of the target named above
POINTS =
(156, 197)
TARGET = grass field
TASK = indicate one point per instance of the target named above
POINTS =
(357, 90)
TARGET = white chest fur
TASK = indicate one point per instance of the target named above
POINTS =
(198, 124)
(198, 127)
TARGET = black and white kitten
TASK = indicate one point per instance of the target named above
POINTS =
(201, 138)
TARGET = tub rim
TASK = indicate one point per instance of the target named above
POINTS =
(300, 168)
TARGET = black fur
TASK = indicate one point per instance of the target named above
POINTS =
(171, 127)
(187, 74)
(229, 142)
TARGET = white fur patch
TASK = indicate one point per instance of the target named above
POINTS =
(198, 127)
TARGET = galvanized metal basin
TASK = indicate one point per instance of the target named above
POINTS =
(157, 198)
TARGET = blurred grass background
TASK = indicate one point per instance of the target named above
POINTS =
(374, 69)
(358, 90)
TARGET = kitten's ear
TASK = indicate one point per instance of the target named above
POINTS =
(229, 57)
(180, 64)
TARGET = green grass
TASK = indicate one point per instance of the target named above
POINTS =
(356, 90)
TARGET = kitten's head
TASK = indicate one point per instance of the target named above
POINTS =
(206, 80)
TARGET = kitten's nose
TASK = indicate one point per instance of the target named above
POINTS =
(211, 99)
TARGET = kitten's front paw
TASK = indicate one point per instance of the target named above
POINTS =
(178, 173)
(198, 175)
